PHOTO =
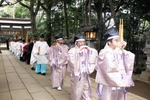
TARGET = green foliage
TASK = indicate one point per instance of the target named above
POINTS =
(21, 12)
(136, 15)
(6, 11)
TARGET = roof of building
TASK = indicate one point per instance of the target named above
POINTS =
(11, 26)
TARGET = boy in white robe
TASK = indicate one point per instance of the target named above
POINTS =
(18, 48)
(57, 57)
(82, 61)
(115, 67)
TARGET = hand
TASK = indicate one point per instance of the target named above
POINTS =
(57, 44)
(124, 44)
(84, 47)
(121, 45)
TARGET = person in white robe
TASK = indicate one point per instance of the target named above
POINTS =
(114, 70)
(82, 61)
(57, 57)
(14, 51)
(39, 55)
(18, 47)
(11, 45)
(22, 48)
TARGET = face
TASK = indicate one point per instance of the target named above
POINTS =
(114, 43)
(80, 43)
(34, 41)
(60, 41)
(41, 39)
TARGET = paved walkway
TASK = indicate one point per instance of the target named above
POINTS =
(19, 82)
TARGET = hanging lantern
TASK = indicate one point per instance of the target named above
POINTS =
(90, 34)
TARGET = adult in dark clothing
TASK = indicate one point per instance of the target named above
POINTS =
(7, 43)
(30, 47)
(25, 52)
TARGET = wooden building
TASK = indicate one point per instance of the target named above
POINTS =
(18, 28)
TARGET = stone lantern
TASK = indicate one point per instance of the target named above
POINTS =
(145, 75)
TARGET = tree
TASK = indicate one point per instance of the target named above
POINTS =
(47, 5)
(33, 7)
(7, 2)
(21, 12)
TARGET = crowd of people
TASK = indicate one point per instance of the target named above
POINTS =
(113, 64)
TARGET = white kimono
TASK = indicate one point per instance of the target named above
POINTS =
(114, 73)
(57, 57)
(81, 64)
(18, 47)
(42, 57)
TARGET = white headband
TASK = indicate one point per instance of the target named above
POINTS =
(112, 37)
(80, 40)
(59, 39)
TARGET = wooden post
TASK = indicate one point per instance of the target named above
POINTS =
(121, 30)
(26, 36)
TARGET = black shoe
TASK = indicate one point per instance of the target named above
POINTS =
(43, 73)
(32, 68)
(28, 63)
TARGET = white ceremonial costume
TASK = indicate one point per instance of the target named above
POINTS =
(41, 47)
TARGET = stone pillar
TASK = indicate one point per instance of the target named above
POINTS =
(145, 75)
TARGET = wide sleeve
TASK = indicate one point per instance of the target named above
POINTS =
(73, 61)
(92, 61)
(108, 70)
(128, 58)
(57, 55)
(34, 53)
(51, 56)
(62, 54)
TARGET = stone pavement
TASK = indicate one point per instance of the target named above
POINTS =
(19, 82)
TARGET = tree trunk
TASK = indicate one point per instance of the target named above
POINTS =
(33, 16)
(86, 12)
(33, 12)
(89, 10)
(112, 11)
(33, 21)
(98, 7)
(49, 35)
(47, 8)
(66, 19)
